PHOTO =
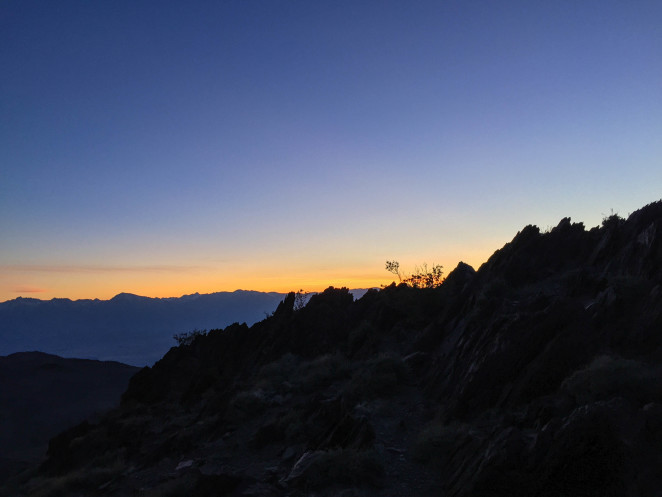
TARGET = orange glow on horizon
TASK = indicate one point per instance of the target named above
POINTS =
(86, 283)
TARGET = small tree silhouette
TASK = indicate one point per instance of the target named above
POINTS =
(300, 299)
(426, 278)
(422, 277)
(188, 337)
(394, 267)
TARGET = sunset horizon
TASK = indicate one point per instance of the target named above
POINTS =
(177, 282)
(241, 174)
(83, 282)
(170, 149)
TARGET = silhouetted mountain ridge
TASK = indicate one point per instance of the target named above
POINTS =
(540, 374)
(129, 328)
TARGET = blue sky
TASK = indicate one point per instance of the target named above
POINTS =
(164, 148)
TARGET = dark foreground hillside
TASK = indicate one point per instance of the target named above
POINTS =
(43, 394)
(538, 375)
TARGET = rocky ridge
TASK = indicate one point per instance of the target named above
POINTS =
(540, 374)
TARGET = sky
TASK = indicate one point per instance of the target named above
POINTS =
(164, 148)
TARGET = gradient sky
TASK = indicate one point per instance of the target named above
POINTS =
(164, 148)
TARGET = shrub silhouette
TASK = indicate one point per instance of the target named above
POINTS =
(422, 277)
(189, 337)
(611, 376)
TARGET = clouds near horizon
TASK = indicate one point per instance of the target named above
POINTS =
(95, 268)
(28, 289)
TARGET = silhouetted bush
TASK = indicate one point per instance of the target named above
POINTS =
(422, 277)
(321, 372)
(612, 221)
(292, 373)
(379, 377)
(279, 375)
(609, 376)
(247, 404)
(363, 335)
(189, 337)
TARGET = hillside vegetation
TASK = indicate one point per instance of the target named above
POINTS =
(540, 374)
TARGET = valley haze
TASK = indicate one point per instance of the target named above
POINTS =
(128, 328)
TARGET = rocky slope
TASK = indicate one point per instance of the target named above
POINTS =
(540, 374)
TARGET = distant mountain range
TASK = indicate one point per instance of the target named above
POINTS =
(127, 328)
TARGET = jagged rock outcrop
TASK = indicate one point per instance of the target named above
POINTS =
(537, 375)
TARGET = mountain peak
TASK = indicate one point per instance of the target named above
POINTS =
(124, 296)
